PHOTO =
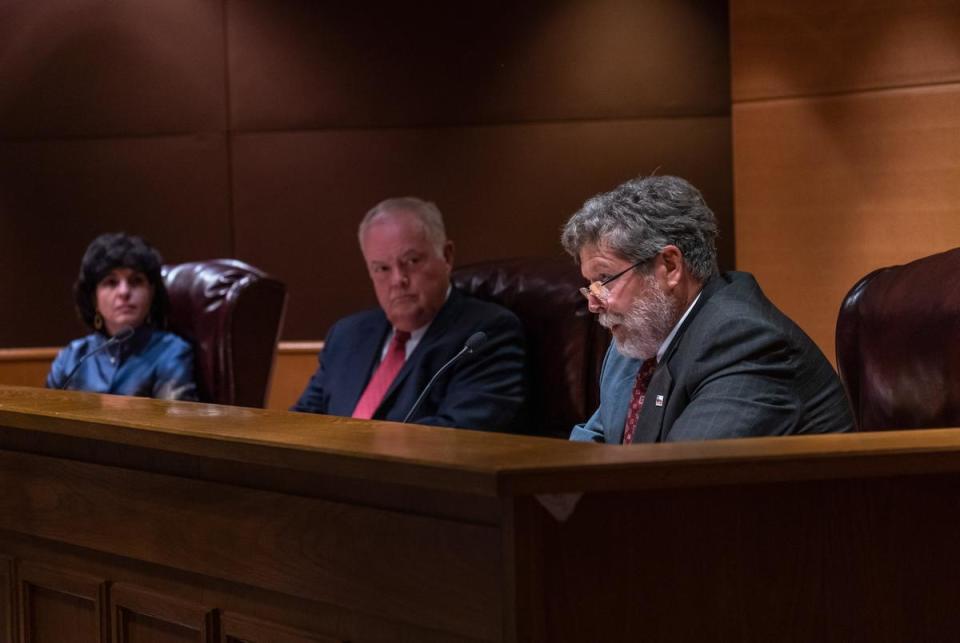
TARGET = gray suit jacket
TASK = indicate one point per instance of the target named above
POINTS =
(737, 367)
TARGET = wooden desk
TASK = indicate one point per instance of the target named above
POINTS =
(157, 521)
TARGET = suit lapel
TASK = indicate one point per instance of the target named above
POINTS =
(368, 346)
(650, 422)
(438, 327)
(712, 286)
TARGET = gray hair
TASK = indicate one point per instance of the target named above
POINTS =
(638, 218)
(426, 212)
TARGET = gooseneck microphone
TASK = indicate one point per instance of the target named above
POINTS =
(122, 335)
(473, 342)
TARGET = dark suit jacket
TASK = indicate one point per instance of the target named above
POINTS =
(484, 390)
(737, 367)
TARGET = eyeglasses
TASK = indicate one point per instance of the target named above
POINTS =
(599, 289)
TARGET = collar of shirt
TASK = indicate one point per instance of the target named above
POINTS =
(415, 335)
(119, 352)
(673, 331)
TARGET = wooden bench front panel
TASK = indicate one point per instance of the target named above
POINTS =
(374, 570)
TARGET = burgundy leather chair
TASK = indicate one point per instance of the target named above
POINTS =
(565, 344)
(898, 345)
(232, 313)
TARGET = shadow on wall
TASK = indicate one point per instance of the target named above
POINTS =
(85, 69)
(115, 117)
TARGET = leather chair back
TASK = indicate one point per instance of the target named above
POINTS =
(898, 345)
(232, 314)
(565, 344)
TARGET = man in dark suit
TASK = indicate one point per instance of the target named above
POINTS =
(696, 355)
(375, 364)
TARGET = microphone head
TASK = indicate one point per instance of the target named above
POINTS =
(123, 334)
(475, 341)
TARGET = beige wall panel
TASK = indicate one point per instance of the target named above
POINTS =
(25, 366)
(788, 48)
(505, 192)
(296, 362)
(828, 189)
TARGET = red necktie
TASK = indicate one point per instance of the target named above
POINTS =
(636, 400)
(383, 376)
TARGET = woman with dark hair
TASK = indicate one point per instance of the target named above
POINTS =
(121, 297)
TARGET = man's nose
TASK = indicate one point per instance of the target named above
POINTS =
(595, 304)
(399, 276)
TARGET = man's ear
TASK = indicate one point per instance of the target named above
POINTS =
(674, 268)
(448, 253)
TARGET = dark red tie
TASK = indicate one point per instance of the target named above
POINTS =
(636, 400)
(383, 376)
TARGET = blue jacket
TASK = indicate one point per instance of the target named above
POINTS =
(484, 390)
(152, 363)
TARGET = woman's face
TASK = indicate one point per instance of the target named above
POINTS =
(124, 297)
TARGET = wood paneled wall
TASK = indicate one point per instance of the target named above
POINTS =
(264, 129)
(846, 130)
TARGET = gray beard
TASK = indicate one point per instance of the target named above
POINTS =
(647, 323)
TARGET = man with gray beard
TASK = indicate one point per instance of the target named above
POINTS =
(697, 355)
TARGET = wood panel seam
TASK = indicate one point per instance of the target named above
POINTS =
(842, 93)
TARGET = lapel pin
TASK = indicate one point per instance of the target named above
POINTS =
(659, 400)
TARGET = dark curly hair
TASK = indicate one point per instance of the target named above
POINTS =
(119, 250)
